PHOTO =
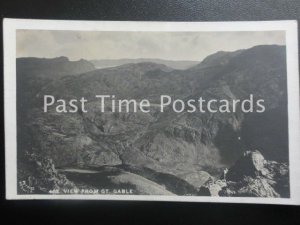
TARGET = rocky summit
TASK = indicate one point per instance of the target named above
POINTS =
(189, 150)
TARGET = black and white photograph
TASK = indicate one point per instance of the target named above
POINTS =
(164, 111)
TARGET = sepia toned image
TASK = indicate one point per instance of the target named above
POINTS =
(193, 114)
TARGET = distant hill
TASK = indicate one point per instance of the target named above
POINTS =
(50, 68)
(179, 65)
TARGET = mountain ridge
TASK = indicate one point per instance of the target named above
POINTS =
(175, 64)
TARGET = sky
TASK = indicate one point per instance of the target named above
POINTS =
(91, 45)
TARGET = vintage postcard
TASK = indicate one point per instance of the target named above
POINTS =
(162, 111)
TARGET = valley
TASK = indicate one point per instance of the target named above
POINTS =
(170, 152)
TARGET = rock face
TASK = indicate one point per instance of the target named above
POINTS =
(180, 144)
(252, 164)
(254, 176)
(250, 176)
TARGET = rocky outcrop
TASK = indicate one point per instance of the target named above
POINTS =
(251, 164)
(250, 176)
(212, 187)
(39, 176)
(253, 176)
(250, 187)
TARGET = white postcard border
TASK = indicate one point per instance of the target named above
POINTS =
(9, 38)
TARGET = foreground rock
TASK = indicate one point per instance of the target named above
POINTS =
(251, 176)
(39, 176)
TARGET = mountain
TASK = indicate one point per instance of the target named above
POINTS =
(193, 147)
(33, 74)
(175, 64)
